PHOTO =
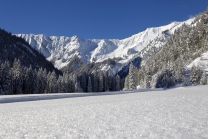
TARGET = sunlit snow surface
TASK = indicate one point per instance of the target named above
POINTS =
(175, 113)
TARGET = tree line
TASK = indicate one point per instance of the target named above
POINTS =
(18, 79)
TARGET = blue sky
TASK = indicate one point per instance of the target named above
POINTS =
(106, 19)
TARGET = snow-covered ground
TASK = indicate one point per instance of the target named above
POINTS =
(174, 113)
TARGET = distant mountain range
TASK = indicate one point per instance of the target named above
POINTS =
(62, 50)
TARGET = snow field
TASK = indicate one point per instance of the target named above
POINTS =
(174, 113)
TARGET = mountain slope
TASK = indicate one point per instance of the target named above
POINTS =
(172, 64)
(62, 50)
(13, 47)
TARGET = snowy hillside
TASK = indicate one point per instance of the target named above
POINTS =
(175, 113)
(201, 62)
(61, 50)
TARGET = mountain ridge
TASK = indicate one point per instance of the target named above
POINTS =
(62, 50)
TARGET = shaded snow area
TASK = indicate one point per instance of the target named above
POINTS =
(175, 113)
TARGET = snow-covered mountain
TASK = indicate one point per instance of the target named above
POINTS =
(61, 50)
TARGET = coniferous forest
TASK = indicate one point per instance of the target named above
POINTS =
(23, 70)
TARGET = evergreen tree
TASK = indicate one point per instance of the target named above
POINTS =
(70, 83)
(118, 83)
(24, 80)
(83, 82)
(7, 78)
(59, 84)
(180, 74)
(154, 80)
(64, 81)
(30, 87)
(52, 83)
(132, 77)
(17, 77)
(42, 80)
(126, 83)
(77, 86)
(101, 84)
(106, 80)
(195, 75)
(199, 75)
(203, 80)
(122, 83)
(113, 84)
(95, 82)
(89, 86)
(47, 89)
(148, 79)
(35, 82)
(184, 81)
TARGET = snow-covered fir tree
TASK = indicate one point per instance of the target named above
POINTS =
(42, 77)
(78, 86)
(101, 83)
(132, 77)
(118, 81)
(193, 75)
(5, 79)
(126, 83)
(52, 83)
(148, 79)
(60, 85)
(203, 80)
(95, 82)
(17, 77)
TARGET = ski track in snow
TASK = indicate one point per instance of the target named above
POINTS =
(174, 113)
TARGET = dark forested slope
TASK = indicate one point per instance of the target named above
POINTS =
(13, 47)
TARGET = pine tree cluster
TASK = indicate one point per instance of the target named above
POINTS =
(19, 79)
